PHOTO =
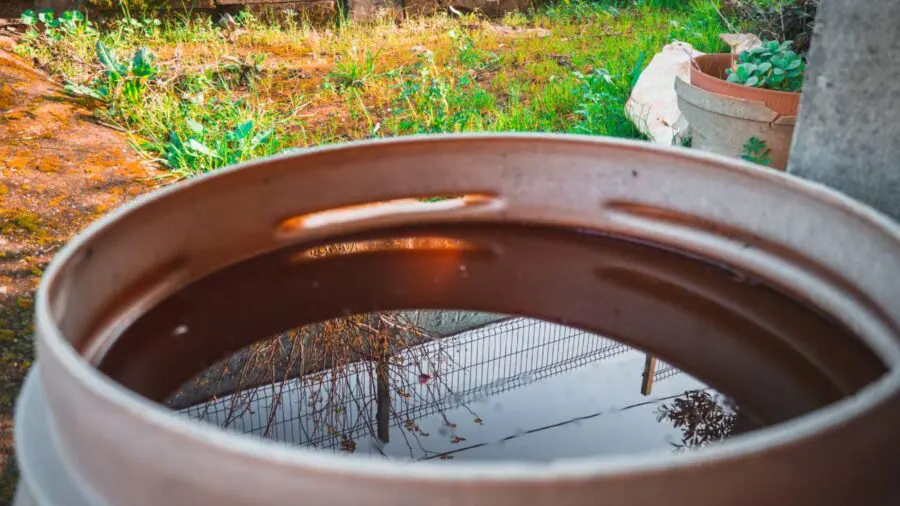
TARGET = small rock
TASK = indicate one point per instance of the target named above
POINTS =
(227, 22)
(562, 60)
(453, 10)
(7, 43)
(422, 50)
(731, 6)
(2, 290)
(538, 32)
(298, 74)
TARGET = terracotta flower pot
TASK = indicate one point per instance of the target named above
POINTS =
(708, 73)
(725, 116)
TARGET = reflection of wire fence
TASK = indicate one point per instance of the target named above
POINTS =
(535, 350)
(664, 370)
(328, 410)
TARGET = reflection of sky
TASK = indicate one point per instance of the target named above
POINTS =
(517, 390)
(609, 387)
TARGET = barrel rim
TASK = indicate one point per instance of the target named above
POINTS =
(219, 441)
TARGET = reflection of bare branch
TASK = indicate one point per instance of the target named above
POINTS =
(356, 346)
(285, 376)
(425, 378)
(325, 383)
(702, 417)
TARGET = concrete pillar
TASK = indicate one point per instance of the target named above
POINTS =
(848, 132)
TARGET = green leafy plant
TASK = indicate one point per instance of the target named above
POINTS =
(48, 17)
(70, 23)
(200, 148)
(146, 27)
(772, 65)
(29, 18)
(128, 80)
(757, 151)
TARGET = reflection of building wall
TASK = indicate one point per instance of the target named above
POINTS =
(324, 411)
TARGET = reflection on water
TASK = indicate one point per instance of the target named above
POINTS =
(702, 416)
(515, 389)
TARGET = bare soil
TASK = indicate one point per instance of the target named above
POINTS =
(59, 170)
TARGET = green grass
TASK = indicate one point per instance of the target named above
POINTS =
(352, 70)
(196, 97)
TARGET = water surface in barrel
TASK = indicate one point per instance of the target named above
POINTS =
(370, 374)
(511, 389)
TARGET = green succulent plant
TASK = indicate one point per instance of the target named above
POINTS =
(772, 65)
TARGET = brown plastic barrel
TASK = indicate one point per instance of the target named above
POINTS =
(621, 238)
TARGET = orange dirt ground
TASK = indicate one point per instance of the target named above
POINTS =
(59, 170)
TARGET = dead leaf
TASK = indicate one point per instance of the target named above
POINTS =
(740, 42)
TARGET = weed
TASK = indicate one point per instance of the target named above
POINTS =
(137, 28)
(121, 82)
(602, 107)
(637, 69)
(436, 101)
(755, 150)
(701, 27)
(201, 148)
(778, 19)
(60, 39)
(515, 19)
(581, 11)
(200, 133)
(352, 70)
(192, 133)
(472, 57)
(703, 418)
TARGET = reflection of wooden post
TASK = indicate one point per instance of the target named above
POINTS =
(383, 400)
(649, 372)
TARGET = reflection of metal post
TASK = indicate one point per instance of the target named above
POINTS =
(383, 400)
(649, 371)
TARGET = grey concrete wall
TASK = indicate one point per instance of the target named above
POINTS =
(371, 10)
(848, 132)
(446, 323)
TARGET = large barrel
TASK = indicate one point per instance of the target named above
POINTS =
(778, 292)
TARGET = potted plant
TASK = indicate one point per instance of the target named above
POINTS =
(731, 99)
